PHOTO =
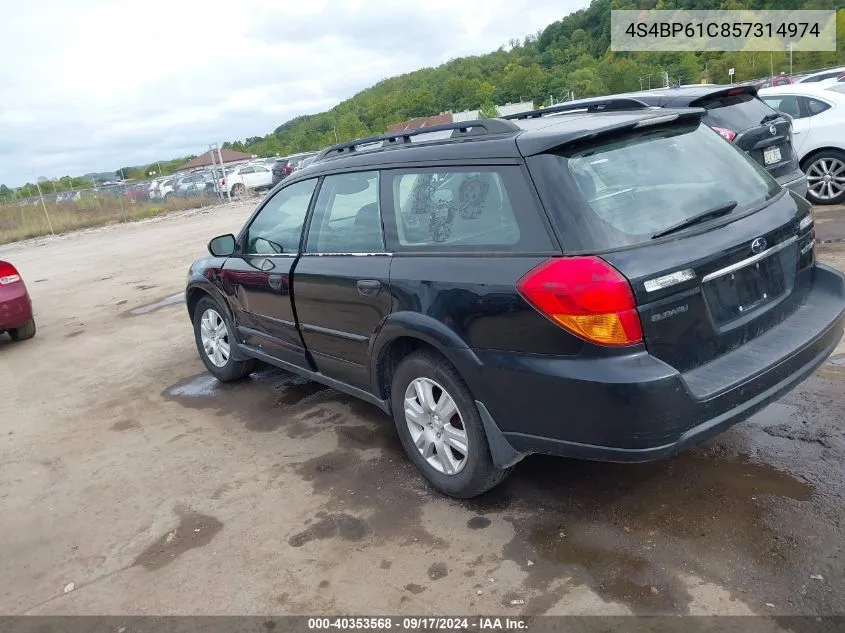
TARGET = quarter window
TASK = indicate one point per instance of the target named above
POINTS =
(278, 226)
(347, 217)
(469, 208)
(814, 106)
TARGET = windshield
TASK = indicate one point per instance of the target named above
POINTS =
(635, 186)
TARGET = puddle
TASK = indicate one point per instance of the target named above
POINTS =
(158, 305)
(347, 527)
(838, 359)
(194, 530)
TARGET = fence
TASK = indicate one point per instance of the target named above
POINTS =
(67, 211)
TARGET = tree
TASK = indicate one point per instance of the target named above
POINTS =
(488, 111)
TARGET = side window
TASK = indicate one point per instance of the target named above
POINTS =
(247, 170)
(347, 217)
(466, 208)
(278, 226)
(814, 106)
(786, 103)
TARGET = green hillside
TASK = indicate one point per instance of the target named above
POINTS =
(572, 54)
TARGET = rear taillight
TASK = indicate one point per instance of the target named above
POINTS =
(222, 182)
(8, 274)
(586, 296)
(725, 133)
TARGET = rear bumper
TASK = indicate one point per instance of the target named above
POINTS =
(795, 181)
(15, 306)
(636, 407)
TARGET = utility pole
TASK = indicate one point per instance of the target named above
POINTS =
(211, 148)
(44, 206)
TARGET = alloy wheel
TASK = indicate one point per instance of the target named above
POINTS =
(826, 178)
(215, 337)
(436, 426)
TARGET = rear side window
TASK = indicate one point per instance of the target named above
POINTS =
(464, 208)
(785, 103)
(814, 106)
(624, 190)
(734, 112)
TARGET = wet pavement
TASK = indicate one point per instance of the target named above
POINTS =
(758, 511)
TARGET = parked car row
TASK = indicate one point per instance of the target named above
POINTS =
(817, 113)
(796, 131)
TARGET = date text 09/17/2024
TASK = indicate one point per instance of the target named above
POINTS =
(419, 623)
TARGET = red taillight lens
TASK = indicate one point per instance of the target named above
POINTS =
(725, 133)
(8, 274)
(586, 296)
(222, 182)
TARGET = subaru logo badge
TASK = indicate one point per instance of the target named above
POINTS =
(759, 245)
(773, 130)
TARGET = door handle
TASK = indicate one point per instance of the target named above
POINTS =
(369, 287)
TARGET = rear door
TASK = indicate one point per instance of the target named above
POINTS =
(753, 126)
(704, 289)
(259, 275)
(342, 281)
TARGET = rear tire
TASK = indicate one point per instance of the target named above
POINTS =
(456, 441)
(27, 330)
(216, 343)
(826, 177)
(238, 190)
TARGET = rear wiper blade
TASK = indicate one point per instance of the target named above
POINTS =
(770, 117)
(698, 218)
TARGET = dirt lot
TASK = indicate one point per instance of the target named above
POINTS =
(131, 482)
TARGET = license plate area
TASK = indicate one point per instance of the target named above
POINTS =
(736, 294)
(771, 155)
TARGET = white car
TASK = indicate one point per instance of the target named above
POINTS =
(818, 128)
(823, 77)
(163, 189)
(242, 178)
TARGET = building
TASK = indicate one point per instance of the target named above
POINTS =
(426, 121)
(230, 157)
(503, 110)
(458, 117)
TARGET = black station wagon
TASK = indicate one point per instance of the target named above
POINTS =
(604, 280)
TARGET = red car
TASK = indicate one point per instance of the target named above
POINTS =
(15, 304)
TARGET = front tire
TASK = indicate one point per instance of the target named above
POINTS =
(27, 330)
(215, 342)
(826, 177)
(440, 427)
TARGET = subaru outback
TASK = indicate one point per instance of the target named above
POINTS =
(608, 281)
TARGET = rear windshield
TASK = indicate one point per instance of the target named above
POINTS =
(734, 112)
(626, 189)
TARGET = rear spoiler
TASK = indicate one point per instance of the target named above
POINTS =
(727, 91)
(530, 145)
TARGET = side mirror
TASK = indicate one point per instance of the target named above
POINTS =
(222, 245)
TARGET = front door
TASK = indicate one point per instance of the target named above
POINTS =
(259, 275)
(341, 282)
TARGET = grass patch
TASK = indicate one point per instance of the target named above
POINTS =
(23, 222)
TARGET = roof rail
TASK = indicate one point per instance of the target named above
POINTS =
(459, 129)
(599, 104)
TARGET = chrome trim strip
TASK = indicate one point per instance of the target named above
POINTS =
(751, 260)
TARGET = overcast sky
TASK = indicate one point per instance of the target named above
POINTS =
(93, 85)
